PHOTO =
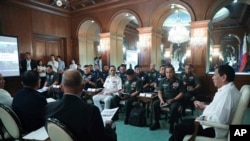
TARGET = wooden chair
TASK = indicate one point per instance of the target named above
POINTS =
(58, 131)
(237, 119)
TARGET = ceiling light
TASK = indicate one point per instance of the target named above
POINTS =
(59, 3)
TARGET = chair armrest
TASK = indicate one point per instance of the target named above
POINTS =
(215, 125)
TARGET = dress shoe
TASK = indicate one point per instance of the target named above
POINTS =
(155, 126)
(171, 128)
(126, 121)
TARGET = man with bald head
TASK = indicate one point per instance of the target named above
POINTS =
(84, 120)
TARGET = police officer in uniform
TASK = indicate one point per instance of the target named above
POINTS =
(132, 88)
(191, 84)
(170, 92)
(144, 78)
(160, 76)
(152, 75)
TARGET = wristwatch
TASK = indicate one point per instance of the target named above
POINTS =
(202, 117)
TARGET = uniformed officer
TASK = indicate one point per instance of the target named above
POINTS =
(170, 92)
(160, 76)
(191, 84)
(132, 88)
(144, 78)
(152, 75)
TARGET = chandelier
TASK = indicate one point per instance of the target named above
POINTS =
(178, 34)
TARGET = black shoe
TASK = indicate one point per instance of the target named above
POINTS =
(171, 128)
(155, 126)
(126, 121)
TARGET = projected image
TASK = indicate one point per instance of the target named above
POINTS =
(9, 61)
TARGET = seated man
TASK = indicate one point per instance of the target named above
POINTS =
(191, 85)
(144, 78)
(112, 85)
(51, 79)
(28, 103)
(152, 76)
(83, 119)
(220, 110)
(160, 76)
(170, 92)
(132, 88)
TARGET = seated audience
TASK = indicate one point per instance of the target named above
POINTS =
(28, 103)
(84, 120)
(191, 86)
(170, 92)
(132, 88)
(79, 68)
(112, 85)
(220, 110)
(152, 75)
(98, 76)
(105, 72)
(51, 79)
(5, 97)
(144, 78)
(160, 76)
(122, 73)
(88, 78)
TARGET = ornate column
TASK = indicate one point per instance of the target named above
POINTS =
(199, 45)
(112, 44)
(86, 51)
(150, 47)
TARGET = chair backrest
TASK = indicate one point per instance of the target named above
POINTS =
(10, 121)
(58, 131)
(242, 105)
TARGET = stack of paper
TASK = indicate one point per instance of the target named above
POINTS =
(108, 114)
(38, 135)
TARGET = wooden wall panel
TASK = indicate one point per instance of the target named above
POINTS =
(39, 47)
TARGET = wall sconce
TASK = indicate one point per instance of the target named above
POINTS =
(141, 45)
(100, 47)
(198, 38)
(167, 54)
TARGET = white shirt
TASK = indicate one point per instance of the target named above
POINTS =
(73, 66)
(112, 83)
(28, 64)
(5, 97)
(222, 108)
(42, 68)
(54, 65)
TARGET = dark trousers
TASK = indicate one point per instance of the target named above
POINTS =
(187, 127)
(173, 113)
(188, 101)
(129, 106)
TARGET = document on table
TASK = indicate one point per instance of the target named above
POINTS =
(108, 114)
(43, 89)
(50, 100)
(38, 135)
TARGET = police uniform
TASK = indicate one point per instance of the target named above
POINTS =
(131, 87)
(89, 77)
(159, 78)
(170, 88)
(191, 81)
(152, 75)
(144, 78)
